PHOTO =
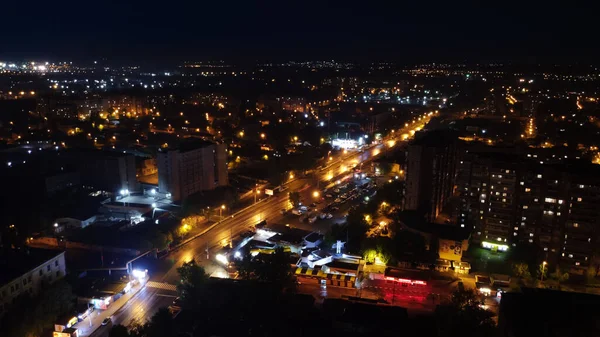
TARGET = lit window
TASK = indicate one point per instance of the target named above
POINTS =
(579, 199)
(535, 200)
(525, 207)
(530, 234)
(576, 225)
(500, 176)
(558, 213)
(524, 218)
(560, 202)
(539, 176)
(522, 183)
(507, 171)
(570, 256)
(514, 233)
(530, 240)
(527, 189)
(577, 263)
(503, 200)
(545, 249)
(516, 228)
(550, 200)
(581, 186)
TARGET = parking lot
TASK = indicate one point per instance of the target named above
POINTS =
(322, 208)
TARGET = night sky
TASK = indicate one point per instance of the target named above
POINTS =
(267, 30)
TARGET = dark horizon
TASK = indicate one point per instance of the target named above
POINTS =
(155, 32)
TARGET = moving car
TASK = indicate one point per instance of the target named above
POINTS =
(106, 321)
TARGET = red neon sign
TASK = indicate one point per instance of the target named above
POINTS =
(403, 280)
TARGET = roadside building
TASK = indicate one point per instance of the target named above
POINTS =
(193, 166)
(24, 272)
(109, 171)
(430, 172)
(544, 312)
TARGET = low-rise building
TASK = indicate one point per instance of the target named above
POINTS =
(25, 271)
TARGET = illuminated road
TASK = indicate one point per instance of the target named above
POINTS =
(139, 309)
(149, 300)
(269, 209)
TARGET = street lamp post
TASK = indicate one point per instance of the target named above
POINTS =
(221, 211)
(543, 268)
(255, 194)
(153, 209)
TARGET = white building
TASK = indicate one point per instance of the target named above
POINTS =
(192, 167)
(25, 272)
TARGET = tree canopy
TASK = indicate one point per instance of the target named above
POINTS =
(191, 287)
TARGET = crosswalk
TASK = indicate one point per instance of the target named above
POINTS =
(161, 285)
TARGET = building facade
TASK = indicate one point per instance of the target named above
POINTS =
(105, 170)
(26, 273)
(191, 168)
(508, 201)
(430, 173)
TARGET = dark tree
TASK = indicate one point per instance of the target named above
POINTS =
(464, 316)
(161, 324)
(118, 331)
(191, 287)
(295, 198)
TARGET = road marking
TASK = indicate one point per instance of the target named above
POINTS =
(161, 285)
(163, 295)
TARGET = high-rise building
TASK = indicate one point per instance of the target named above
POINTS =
(430, 172)
(509, 200)
(192, 167)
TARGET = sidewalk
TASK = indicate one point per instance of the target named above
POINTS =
(98, 315)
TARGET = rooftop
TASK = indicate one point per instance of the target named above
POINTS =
(189, 144)
(16, 262)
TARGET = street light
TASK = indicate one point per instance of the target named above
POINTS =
(255, 194)
(221, 211)
(316, 194)
(543, 267)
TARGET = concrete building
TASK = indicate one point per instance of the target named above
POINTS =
(24, 272)
(508, 201)
(430, 172)
(192, 167)
(104, 170)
